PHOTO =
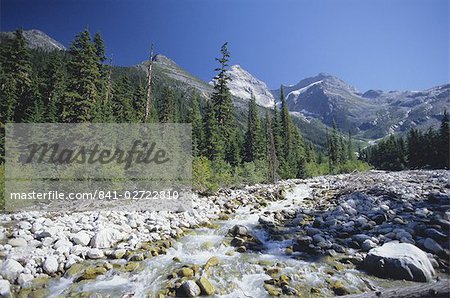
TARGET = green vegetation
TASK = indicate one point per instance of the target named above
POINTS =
(80, 85)
(419, 150)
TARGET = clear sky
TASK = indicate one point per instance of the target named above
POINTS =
(383, 44)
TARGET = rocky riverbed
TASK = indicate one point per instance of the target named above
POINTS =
(324, 236)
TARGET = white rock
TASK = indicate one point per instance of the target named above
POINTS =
(50, 265)
(24, 278)
(17, 242)
(106, 237)
(5, 289)
(399, 261)
(24, 225)
(95, 253)
(11, 269)
(81, 238)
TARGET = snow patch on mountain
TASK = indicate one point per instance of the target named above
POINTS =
(244, 85)
(295, 94)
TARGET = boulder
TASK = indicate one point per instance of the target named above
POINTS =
(106, 238)
(95, 253)
(432, 246)
(239, 230)
(23, 279)
(17, 242)
(206, 287)
(5, 288)
(190, 289)
(50, 265)
(81, 238)
(399, 261)
(10, 269)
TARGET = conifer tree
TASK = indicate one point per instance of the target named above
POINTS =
(54, 88)
(16, 82)
(84, 76)
(122, 101)
(168, 109)
(222, 104)
(253, 145)
(271, 155)
(195, 118)
(444, 142)
(214, 146)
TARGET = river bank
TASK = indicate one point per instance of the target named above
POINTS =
(299, 237)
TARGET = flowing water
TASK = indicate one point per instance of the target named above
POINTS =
(237, 275)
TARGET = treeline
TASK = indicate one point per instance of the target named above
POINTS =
(418, 150)
(81, 85)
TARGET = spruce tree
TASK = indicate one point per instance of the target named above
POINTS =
(271, 154)
(222, 105)
(444, 142)
(84, 74)
(16, 82)
(253, 144)
(168, 109)
(195, 118)
(122, 101)
(214, 146)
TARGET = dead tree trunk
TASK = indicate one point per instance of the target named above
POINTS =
(149, 86)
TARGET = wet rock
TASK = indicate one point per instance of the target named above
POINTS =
(213, 261)
(236, 242)
(137, 257)
(131, 266)
(287, 290)
(399, 261)
(185, 272)
(205, 286)
(241, 249)
(272, 290)
(339, 289)
(239, 230)
(190, 289)
(50, 265)
(93, 272)
(75, 270)
(119, 253)
(10, 269)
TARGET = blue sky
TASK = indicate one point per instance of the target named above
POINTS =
(383, 44)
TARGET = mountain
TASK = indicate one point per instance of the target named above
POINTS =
(372, 114)
(36, 39)
(244, 85)
(166, 67)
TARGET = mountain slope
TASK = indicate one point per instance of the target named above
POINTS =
(36, 39)
(373, 114)
(244, 85)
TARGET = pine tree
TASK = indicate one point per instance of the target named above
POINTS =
(168, 109)
(122, 101)
(214, 147)
(222, 104)
(16, 81)
(444, 142)
(54, 88)
(253, 145)
(195, 118)
(271, 155)
(84, 76)
(286, 127)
